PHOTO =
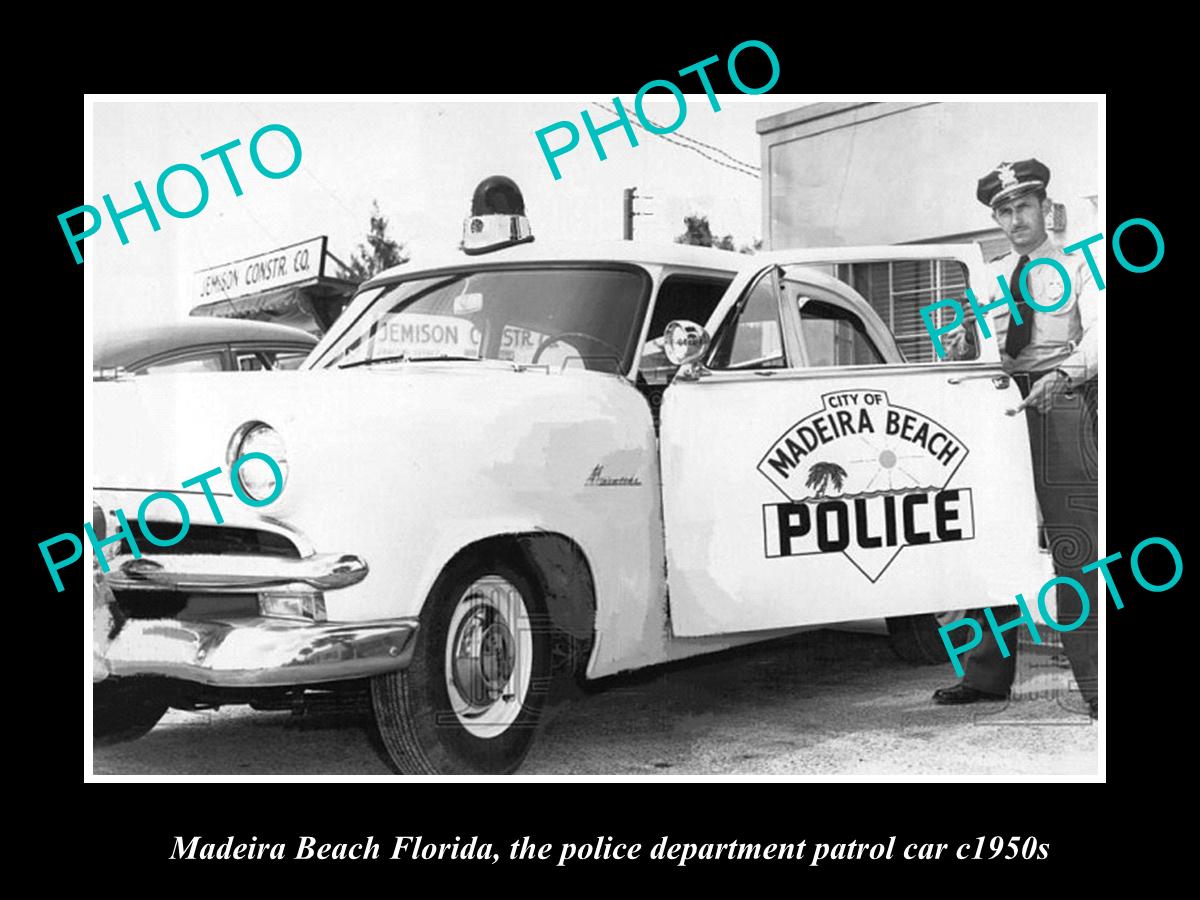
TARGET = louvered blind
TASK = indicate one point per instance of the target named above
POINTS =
(898, 290)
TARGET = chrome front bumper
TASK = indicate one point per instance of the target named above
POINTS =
(261, 652)
(243, 649)
(230, 573)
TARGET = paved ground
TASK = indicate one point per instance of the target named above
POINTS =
(822, 703)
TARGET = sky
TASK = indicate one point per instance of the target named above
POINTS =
(420, 159)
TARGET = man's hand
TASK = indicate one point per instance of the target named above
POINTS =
(957, 344)
(1041, 395)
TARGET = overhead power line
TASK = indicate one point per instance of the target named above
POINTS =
(685, 146)
(255, 116)
(728, 156)
(682, 136)
(244, 207)
(690, 139)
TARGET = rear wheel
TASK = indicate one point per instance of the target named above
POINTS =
(124, 709)
(916, 640)
(471, 699)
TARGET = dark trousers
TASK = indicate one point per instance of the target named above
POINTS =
(1065, 464)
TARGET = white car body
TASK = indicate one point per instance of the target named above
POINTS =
(404, 465)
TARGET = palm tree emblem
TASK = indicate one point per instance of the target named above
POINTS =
(821, 474)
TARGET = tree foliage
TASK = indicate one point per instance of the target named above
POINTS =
(379, 252)
(698, 232)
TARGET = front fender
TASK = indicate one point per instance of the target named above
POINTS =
(405, 466)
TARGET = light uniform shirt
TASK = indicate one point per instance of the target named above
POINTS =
(1064, 339)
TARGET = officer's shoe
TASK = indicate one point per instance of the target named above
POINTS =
(962, 693)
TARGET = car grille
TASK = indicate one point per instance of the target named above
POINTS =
(212, 540)
(208, 540)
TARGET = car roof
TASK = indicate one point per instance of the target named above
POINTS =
(123, 348)
(637, 252)
(807, 262)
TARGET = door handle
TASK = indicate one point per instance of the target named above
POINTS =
(999, 382)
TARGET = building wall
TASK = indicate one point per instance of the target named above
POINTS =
(888, 173)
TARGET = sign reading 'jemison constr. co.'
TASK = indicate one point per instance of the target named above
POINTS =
(284, 267)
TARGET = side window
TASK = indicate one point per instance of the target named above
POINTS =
(690, 297)
(289, 360)
(686, 297)
(897, 289)
(752, 337)
(834, 336)
(213, 361)
(250, 360)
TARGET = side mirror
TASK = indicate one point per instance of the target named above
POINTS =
(685, 344)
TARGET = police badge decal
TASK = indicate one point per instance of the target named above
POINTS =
(865, 478)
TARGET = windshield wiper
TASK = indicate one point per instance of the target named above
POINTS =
(404, 357)
(399, 357)
(445, 356)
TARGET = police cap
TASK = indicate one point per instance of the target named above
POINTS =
(1010, 180)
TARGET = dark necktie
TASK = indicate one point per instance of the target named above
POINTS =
(1018, 335)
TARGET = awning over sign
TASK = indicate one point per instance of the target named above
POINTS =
(312, 306)
(287, 286)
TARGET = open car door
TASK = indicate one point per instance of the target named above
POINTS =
(811, 475)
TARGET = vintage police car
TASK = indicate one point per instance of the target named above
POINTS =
(498, 461)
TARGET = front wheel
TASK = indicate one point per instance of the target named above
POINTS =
(124, 709)
(471, 699)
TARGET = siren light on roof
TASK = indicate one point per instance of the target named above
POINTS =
(497, 217)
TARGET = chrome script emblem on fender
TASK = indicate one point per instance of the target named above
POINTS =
(598, 479)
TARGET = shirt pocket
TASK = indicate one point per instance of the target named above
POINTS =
(1062, 325)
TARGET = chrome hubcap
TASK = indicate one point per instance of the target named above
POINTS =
(489, 656)
(484, 656)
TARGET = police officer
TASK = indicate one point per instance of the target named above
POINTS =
(1052, 356)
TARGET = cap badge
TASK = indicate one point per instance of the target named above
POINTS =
(1007, 176)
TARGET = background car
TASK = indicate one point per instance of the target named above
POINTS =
(203, 345)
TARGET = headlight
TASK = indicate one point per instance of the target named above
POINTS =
(256, 476)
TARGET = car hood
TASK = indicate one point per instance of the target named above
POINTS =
(151, 433)
(401, 465)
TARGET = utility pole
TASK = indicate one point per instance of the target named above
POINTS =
(630, 196)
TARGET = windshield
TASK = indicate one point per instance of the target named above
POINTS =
(585, 317)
